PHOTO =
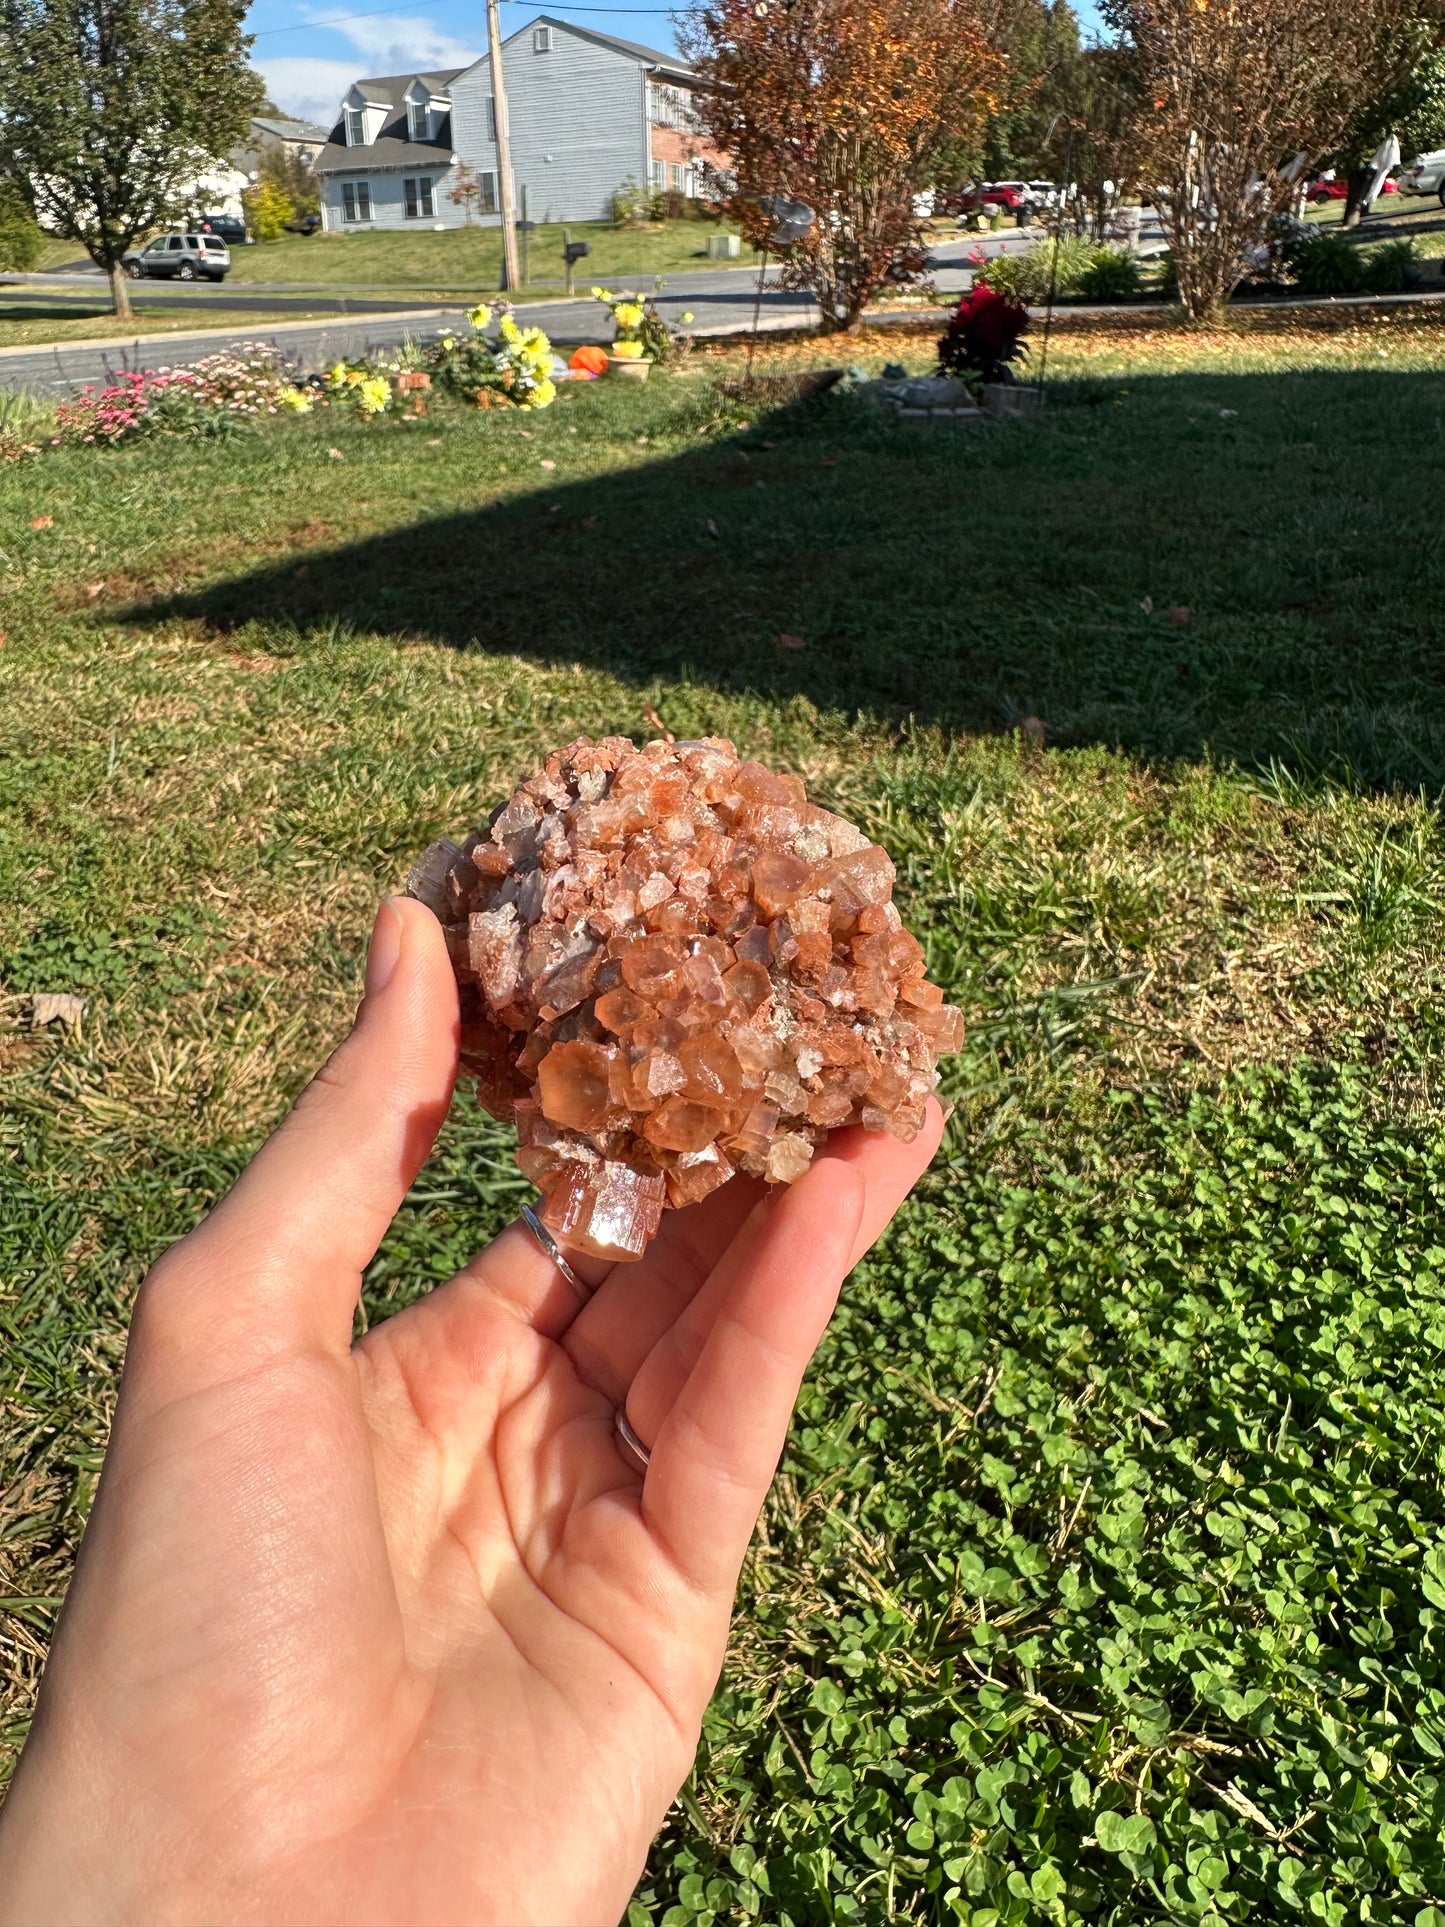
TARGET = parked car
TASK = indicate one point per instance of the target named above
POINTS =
(1329, 187)
(1010, 196)
(226, 227)
(180, 257)
(1426, 175)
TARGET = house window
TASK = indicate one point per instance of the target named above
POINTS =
(419, 202)
(679, 177)
(417, 118)
(542, 40)
(487, 199)
(355, 127)
(670, 107)
(356, 201)
(491, 118)
(657, 175)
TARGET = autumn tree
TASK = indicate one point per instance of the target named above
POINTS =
(112, 110)
(466, 191)
(845, 105)
(1231, 92)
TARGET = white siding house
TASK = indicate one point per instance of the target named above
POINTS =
(588, 111)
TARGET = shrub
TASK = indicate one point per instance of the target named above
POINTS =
(1328, 263)
(20, 238)
(217, 397)
(627, 204)
(1390, 267)
(984, 336)
(1064, 262)
(268, 208)
(1114, 274)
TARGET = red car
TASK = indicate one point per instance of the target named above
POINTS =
(1009, 195)
(1337, 190)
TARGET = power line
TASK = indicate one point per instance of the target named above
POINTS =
(342, 19)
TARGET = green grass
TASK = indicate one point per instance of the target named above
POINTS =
(470, 259)
(35, 323)
(1105, 1577)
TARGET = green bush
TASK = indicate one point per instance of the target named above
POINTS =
(20, 238)
(1390, 267)
(1114, 274)
(1329, 263)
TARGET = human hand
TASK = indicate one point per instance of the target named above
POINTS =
(393, 1631)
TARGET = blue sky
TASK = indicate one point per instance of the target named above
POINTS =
(309, 53)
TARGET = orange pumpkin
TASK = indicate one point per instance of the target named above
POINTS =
(590, 361)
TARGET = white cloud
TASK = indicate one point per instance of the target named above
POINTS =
(400, 43)
(308, 87)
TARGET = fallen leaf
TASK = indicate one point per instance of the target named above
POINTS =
(1147, 605)
(1180, 615)
(93, 589)
(546, 464)
(56, 1007)
(712, 530)
(43, 522)
(1227, 414)
(434, 441)
(336, 454)
(787, 641)
(554, 508)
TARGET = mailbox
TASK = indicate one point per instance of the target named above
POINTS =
(575, 250)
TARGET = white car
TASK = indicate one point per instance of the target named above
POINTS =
(1426, 175)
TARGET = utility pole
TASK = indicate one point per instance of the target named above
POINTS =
(510, 277)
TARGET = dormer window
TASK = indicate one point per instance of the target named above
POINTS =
(541, 40)
(355, 127)
(418, 120)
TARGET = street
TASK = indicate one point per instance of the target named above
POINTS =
(720, 301)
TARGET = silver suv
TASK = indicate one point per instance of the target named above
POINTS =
(180, 257)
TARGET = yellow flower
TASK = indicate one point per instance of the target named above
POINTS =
(544, 393)
(294, 399)
(479, 316)
(626, 350)
(449, 341)
(372, 394)
(337, 374)
(601, 294)
(685, 319)
(628, 314)
(508, 329)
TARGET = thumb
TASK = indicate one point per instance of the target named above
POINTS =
(280, 1258)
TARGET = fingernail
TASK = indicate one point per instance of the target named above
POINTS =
(384, 950)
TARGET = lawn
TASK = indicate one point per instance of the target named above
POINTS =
(470, 259)
(1104, 1580)
(38, 323)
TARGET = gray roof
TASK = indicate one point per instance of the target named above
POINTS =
(290, 130)
(633, 48)
(391, 88)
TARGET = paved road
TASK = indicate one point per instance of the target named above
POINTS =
(720, 301)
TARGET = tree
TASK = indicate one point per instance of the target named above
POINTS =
(268, 208)
(1230, 92)
(845, 105)
(20, 238)
(283, 169)
(1410, 104)
(466, 193)
(111, 109)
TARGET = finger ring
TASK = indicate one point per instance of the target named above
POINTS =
(629, 1444)
(550, 1250)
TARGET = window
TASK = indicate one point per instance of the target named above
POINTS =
(428, 206)
(542, 40)
(418, 118)
(679, 177)
(176, 243)
(356, 200)
(491, 118)
(670, 107)
(657, 175)
(419, 202)
(487, 200)
(355, 127)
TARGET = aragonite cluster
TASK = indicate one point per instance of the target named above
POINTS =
(673, 967)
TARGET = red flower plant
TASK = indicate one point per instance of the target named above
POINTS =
(984, 336)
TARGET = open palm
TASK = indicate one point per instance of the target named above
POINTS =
(393, 1631)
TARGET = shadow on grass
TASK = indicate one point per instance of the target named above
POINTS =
(1243, 565)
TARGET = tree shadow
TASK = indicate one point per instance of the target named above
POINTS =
(1248, 566)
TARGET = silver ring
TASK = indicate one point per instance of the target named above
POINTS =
(629, 1444)
(549, 1249)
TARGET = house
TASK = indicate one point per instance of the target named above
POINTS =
(588, 111)
(301, 139)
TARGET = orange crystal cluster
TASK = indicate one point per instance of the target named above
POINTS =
(674, 967)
